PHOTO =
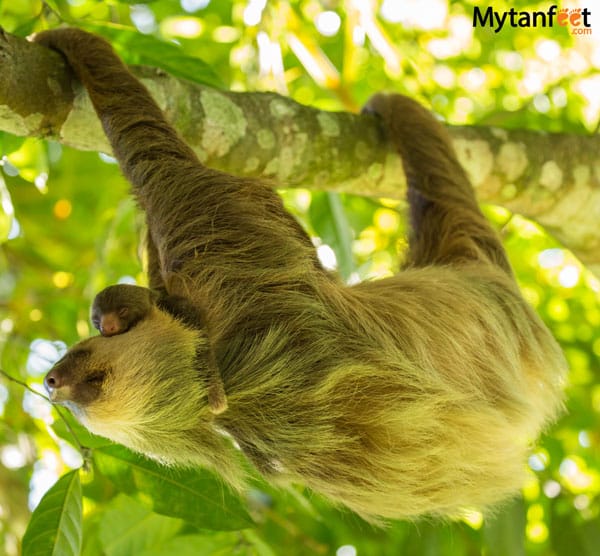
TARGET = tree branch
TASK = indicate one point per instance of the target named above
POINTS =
(553, 179)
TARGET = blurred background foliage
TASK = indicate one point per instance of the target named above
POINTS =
(68, 228)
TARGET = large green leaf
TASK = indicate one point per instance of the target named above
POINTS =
(329, 220)
(127, 527)
(55, 526)
(217, 544)
(194, 495)
(10, 143)
(152, 51)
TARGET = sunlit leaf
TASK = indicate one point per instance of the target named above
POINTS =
(220, 544)
(331, 225)
(6, 211)
(154, 52)
(127, 528)
(53, 5)
(9, 143)
(194, 495)
(55, 526)
(31, 160)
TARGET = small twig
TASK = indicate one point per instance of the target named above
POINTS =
(24, 385)
(47, 8)
(83, 450)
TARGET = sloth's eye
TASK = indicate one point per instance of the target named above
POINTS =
(95, 377)
(123, 312)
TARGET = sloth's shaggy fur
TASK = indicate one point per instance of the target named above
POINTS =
(416, 394)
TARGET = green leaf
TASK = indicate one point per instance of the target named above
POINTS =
(329, 220)
(126, 527)
(53, 5)
(157, 53)
(6, 223)
(195, 495)
(219, 544)
(10, 143)
(505, 533)
(25, 29)
(260, 546)
(55, 526)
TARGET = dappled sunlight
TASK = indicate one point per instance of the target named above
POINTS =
(577, 477)
(68, 229)
(47, 470)
(194, 5)
(552, 489)
(346, 550)
(539, 460)
(328, 23)
(3, 398)
(327, 257)
(569, 276)
(36, 406)
(43, 354)
(63, 279)
(143, 18)
(12, 456)
(421, 14)
(186, 27)
(537, 531)
(473, 519)
(62, 209)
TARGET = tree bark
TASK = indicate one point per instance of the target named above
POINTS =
(553, 179)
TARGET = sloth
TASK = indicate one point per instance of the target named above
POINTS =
(417, 394)
(118, 308)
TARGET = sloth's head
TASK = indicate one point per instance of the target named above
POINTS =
(118, 308)
(134, 388)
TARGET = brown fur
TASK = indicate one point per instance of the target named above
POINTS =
(417, 394)
(118, 308)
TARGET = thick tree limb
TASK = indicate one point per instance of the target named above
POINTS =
(551, 178)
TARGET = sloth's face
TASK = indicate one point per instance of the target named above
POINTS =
(76, 381)
(134, 386)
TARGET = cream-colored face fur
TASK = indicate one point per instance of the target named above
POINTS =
(103, 379)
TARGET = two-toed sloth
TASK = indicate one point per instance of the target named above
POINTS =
(415, 394)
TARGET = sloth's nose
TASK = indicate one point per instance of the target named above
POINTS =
(53, 380)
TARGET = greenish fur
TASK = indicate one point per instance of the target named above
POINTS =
(417, 394)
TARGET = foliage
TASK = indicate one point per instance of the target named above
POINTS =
(55, 526)
(68, 229)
